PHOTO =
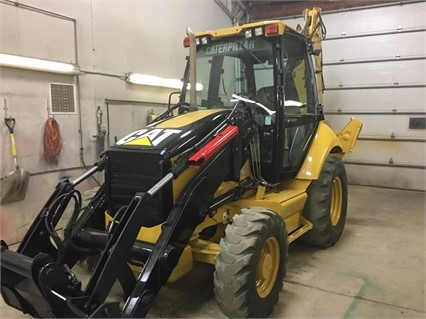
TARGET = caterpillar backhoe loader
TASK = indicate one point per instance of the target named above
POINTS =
(240, 167)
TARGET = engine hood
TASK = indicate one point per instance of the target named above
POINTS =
(173, 135)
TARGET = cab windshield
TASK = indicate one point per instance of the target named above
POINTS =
(235, 66)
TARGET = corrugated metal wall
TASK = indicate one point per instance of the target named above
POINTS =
(375, 70)
(375, 64)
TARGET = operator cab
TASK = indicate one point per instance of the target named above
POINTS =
(272, 77)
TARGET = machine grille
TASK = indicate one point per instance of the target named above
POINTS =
(132, 171)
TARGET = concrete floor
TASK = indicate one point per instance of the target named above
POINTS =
(377, 270)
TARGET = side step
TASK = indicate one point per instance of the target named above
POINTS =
(306, 226)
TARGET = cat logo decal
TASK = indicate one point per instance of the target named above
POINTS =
(146, 137)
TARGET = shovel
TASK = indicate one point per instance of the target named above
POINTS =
(13, 186)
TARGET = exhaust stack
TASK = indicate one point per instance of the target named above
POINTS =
(192, 67)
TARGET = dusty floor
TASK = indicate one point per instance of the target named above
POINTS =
(377, 270)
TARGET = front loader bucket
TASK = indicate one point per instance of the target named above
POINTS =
(19, 282)
(37, 279)
(38, 286)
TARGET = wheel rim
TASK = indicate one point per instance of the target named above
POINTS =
(267, 267)
(336, 201)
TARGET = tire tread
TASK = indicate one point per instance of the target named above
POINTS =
(234, 264)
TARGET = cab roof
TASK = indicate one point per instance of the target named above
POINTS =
(239, 30)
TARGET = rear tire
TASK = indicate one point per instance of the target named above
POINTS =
(326, 205)
(251, 265)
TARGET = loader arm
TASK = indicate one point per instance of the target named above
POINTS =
(189, 211)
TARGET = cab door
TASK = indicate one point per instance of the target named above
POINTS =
(299, 110)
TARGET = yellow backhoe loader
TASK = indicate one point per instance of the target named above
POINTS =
(240, 167)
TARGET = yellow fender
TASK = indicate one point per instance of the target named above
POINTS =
(326, 141)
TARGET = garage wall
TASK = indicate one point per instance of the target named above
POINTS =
(106, 39)
(374, 70)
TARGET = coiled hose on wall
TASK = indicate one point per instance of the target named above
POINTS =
(52, 140)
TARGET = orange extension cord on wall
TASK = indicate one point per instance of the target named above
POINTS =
(52, 140)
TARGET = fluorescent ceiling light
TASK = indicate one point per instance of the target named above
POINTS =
(152, 80)
(144, 79)
(20, 62)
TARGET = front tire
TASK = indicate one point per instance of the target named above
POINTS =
(326, 205)
(251, 265)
